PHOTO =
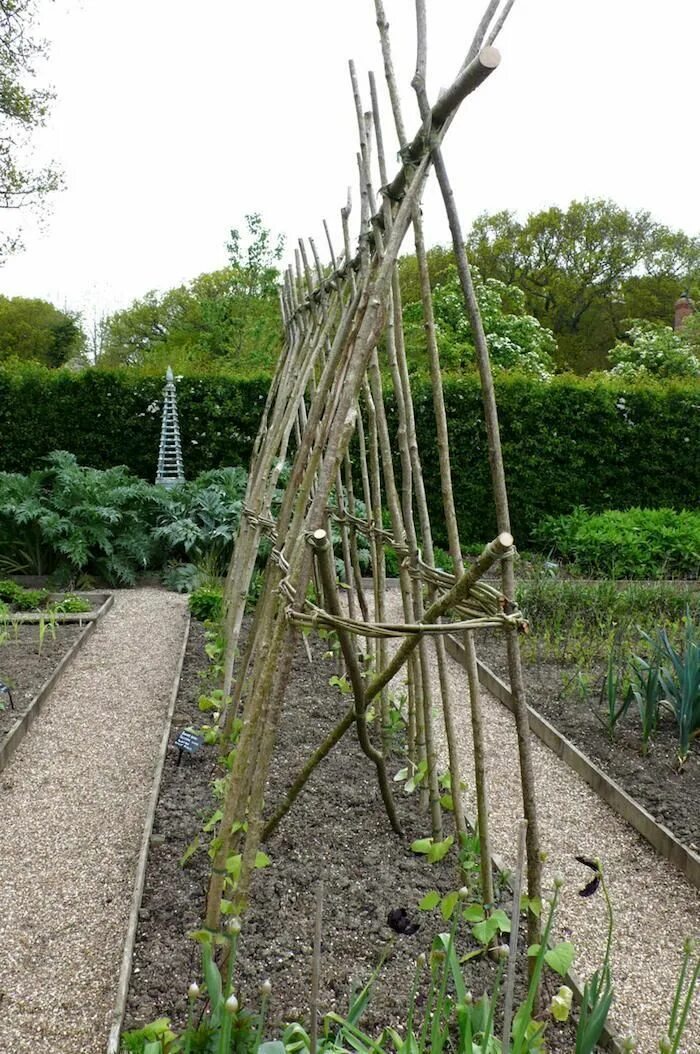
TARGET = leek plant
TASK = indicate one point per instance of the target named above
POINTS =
(680, 682)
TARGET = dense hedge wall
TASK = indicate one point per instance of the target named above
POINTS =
(111, 418)
(576, 441)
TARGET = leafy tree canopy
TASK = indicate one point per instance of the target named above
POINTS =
(517, 341)
(36, 331)
(23, 108)
(225, 319)
(653, 350)
(586, 270)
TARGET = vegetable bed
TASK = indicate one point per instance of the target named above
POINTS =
(571, 695)
(337, 830)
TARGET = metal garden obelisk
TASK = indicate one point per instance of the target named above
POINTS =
(170, 467)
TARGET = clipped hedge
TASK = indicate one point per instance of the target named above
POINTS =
(594, 442)
(109, 418)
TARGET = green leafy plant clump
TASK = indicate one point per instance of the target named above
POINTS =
(66, 519)
(22, 599)
(206, 603)
(636, 543)
(71, 605)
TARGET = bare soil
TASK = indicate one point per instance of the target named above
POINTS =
(672, 797)
(336, 830)
(26, 663)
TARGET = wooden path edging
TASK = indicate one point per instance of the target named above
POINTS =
(19, 730)
(658, 835)
(116, 1018)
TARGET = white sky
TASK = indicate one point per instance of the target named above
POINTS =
(174, 119)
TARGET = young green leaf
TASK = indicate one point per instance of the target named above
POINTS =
(560, 958)
(448, 904)
(438, 850)
(473, 913)
(429, 901)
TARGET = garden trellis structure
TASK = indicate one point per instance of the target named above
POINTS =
(171, 470)
(328, 393)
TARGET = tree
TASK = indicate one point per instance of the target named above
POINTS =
(227, 319)
(653, 350)
(23, 108)
(36, 331)
(586, 270)
(516, 340)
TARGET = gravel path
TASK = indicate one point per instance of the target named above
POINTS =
(74, 799)
(655, 907)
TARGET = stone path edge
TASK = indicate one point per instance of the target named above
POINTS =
(659, 836)
(19, 730)
(117, 1016)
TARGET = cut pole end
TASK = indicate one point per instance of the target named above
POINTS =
(505, 539)
(490, 57)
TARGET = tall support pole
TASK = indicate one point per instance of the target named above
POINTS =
(498, 482)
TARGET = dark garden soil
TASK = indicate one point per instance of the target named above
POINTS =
(336, 830)
(673, 798)
(26, 662)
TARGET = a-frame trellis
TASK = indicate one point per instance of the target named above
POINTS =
(328, 391)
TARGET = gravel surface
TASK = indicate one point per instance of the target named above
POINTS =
(655, 907)
(74, 799)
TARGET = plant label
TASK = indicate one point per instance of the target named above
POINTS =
(4, 690)
(189, 742)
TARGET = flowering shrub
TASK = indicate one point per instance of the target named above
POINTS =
(654, 350)
(516, 340)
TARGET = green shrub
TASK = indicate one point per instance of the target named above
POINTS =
(22, 599)
(201, 518)
(71, 605)
(206, 603)
(69, 519)
(636, 543)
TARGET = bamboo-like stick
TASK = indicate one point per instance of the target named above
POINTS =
(324, 555)
(478, 737)
(503, 519)
(330, 424)
(352, 535)
(262, 480)
(401, 512)
(498, 26)
(378, 561)
(330, 443)
(316, 969)
(407, 426)
(509, 986)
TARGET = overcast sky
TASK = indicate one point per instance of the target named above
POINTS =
(173, 119)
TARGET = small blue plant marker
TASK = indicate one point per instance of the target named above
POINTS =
(189, 742)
